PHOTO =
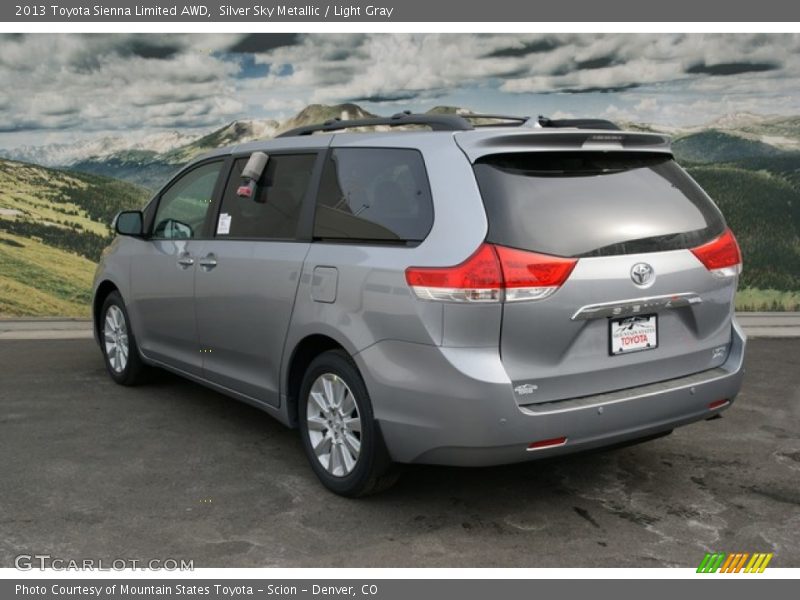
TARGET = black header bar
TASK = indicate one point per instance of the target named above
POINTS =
(440, 11)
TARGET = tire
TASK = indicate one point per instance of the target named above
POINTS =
(118, 344)
(337, 412)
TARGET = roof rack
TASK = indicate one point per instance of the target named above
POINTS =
(449, 122)
(578, 123)
(509, 120)
(435, 122)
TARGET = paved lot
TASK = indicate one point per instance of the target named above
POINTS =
(90, 469)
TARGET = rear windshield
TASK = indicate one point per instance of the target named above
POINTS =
(594, 203)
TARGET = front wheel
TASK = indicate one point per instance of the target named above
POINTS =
(118, 343)
(340, 436)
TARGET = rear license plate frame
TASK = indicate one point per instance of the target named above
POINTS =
(643, 321)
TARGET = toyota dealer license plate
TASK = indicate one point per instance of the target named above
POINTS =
(633, 334)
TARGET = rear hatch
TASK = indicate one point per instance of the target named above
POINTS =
(640, 305)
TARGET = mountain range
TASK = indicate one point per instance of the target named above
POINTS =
(54, 220)
(150, 159)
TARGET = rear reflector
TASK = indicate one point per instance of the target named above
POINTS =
(551, 443)
(717, 404)
(493, 273)
(721, 256)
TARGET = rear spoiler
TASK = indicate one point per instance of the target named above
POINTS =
(478, 143)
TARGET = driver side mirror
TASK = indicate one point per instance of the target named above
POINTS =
(129, 222)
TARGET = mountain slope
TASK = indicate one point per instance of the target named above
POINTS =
(763, 209)
(714, 146)
(145, 169)
(319, 113)
(236, 132)
(53, 226)
(782, 132)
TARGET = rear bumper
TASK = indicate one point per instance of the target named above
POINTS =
(456, 406)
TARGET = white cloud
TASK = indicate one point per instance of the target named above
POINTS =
(103, 82)
(85, 83)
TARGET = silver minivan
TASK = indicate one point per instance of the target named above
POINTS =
(440, 293)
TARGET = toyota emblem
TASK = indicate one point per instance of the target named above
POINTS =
(642, 274)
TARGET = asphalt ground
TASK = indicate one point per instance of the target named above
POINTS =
(89, 469)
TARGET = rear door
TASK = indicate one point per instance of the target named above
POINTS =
(639, 307)
(247, 275)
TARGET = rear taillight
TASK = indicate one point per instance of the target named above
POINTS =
(531, 276)
(493, 273)
(721, 256)
(477, 279)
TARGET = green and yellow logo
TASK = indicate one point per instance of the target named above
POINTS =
(738, 562)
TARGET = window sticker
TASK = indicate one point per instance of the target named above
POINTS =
(224, 224)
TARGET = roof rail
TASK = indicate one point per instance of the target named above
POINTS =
(511, 120)
(449, 122)
(578, 123)
(435, 122)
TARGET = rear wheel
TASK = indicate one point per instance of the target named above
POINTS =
(119, 344)
(340, 436)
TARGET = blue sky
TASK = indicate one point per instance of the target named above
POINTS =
(67, 87)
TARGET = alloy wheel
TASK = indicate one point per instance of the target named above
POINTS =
(115, 338)
(334, 424)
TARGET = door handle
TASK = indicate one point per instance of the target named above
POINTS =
(208, 262)
(185, 261)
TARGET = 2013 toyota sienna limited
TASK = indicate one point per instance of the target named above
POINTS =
(451, 294)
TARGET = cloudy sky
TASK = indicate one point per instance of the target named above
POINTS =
(59, 88)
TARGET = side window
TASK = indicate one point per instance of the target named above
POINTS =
(371, 194)
(275, 211)
(182, 209)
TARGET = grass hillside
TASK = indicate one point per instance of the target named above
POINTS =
(53, 227)
(40, 280)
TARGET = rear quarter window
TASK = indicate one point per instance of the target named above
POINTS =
(374, 195)
(580, 204)
(275, 211)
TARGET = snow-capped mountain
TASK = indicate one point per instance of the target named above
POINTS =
(64, 155)
(151, 167)
(236, 132)
(176, 146)
(150, 159)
